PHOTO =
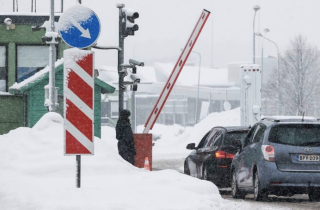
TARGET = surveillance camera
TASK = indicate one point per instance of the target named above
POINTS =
(136, 63)
(135, 78)
(8, 21)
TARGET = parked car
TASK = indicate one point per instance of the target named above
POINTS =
(211, 159)
(279, 156)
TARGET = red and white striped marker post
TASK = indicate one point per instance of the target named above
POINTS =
(78, 104)
(176, 71)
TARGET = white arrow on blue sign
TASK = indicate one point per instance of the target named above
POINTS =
(79, 26)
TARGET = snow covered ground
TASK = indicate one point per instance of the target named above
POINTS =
(34, 173)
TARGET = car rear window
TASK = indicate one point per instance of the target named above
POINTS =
(297, 135)
(234, 135)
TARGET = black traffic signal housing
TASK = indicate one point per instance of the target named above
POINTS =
(129, 27)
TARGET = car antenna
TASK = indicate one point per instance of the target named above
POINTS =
(302, 117)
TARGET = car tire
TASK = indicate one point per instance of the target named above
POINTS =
(235, 192)
(314, 195)
(186, 168)
(258, 194)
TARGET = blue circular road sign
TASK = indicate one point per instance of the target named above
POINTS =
(79, 26)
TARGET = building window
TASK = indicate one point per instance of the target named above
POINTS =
(3, 69)
(30, 60)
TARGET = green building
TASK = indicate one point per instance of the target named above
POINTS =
(23, 73)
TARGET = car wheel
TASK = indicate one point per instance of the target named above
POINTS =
(204, 172)
(235, 192)
(314, 195)
(186, 168)
(258, 195)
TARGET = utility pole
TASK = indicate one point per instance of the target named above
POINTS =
(127, 27)
(52, 59)
(121, 71)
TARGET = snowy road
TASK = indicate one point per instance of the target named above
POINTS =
(297, 202)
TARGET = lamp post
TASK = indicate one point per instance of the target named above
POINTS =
(198, 84)
(259, 34)
(266, 30)
(255, 8)
(196, 115)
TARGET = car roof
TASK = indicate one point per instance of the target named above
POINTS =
(290, 118)
(233, 128)
(268, 121)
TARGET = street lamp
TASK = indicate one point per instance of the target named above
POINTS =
(259, 34)
(255, 8)
(198, 84)
(196, 115)
(266, 30)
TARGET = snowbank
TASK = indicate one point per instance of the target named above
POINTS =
(36, 175)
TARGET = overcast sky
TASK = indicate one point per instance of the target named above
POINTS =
(165, 26)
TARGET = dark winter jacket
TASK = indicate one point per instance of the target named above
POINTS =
(125, 136)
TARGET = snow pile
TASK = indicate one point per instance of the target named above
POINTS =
(36, 175)
(174, 139)
(71, 17)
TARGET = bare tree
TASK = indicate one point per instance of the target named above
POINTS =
(297, 83)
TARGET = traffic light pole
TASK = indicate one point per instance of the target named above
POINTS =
(52, 59)
(121, 58)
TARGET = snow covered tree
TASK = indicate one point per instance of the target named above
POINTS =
(297, 84)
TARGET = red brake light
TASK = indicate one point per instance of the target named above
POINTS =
(269, 149)
(223, 154)
(268, 153)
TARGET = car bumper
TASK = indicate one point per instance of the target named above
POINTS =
(220, 176)
(273, 179)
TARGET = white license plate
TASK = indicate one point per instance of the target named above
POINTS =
(308, 157)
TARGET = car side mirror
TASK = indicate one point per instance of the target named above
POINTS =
(191, 146)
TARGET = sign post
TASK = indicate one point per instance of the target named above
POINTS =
(176, 71)
(79, 27)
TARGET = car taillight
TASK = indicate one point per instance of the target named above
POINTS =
(268, 153)
(223, 154)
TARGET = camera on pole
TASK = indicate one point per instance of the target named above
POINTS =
(136, 63)
(135, 80)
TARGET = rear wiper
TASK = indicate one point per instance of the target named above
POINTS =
(310, 144)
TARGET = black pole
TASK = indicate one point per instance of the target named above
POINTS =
(120, 58)
(78, 159)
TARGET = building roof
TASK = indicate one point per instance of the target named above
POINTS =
(27, 18)
(19, 88)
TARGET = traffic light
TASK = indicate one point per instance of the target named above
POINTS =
(130, 27)
(51, 38)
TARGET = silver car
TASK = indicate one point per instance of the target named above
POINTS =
(280, 156)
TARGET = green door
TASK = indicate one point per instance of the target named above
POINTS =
(11, 113)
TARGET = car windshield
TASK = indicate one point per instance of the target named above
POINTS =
(234, 135)
(297, 135)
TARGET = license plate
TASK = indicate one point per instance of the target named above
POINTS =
(308, 157)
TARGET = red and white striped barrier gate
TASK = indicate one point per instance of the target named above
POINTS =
(176, 71)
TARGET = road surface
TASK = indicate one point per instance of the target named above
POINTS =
(297, 202)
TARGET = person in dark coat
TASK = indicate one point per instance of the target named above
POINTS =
(124, 134)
